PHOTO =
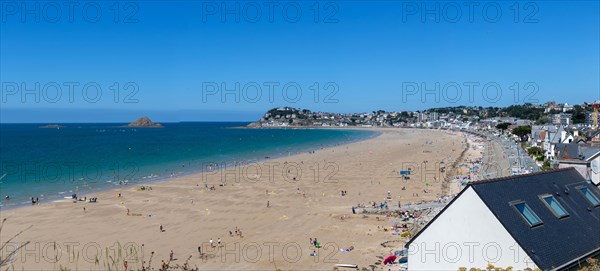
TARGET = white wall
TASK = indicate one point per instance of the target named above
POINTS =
(466, 234)
(595, 176)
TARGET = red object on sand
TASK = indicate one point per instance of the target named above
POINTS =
(389, 259)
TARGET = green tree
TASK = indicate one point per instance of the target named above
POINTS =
(534, 150)
(503, 126)
(547, 165)
(578, 114)
(522, 131)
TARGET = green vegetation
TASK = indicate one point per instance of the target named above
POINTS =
(526, 111)
(539, 158)
(522, 131)
(546, 165)
(578, 114)
(503, 126)
(535, 151)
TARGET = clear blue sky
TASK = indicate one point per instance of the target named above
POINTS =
(364, 55)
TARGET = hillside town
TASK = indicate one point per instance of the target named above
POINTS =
(580, 116)
(554, 135)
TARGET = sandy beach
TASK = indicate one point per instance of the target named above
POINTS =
(278, 205)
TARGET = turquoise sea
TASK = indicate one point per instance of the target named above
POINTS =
(50, 163)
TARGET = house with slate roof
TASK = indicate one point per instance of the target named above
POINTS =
(548, 220)
(584, 158)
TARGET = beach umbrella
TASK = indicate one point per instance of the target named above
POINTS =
(389, 259)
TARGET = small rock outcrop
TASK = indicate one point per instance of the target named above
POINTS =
(144, 122)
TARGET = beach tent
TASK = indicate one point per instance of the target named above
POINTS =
(389, 259)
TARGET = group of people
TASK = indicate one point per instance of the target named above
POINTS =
(238, 232)
(314, 242)
(212, 242)
(405, 215)
(343, 193)
(380, 205)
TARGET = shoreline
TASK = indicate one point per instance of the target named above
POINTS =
(228, 165)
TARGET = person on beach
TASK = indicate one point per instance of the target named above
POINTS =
(171, 256)
(125, 265)
(212, 243)
(161, 228)
(353, 210)
(84, 209)
(199, 250)
(219, 241)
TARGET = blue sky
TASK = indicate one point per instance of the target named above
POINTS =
(174, 60)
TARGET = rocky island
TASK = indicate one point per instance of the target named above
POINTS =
(144, 122)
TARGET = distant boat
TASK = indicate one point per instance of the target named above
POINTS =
(52, 126)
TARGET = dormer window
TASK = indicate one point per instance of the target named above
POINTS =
(589, 195)
(555, 207)
(527, 214)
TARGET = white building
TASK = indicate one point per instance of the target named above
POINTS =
(547, 220)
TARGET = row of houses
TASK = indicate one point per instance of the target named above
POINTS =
(293, 117)
(566, 146)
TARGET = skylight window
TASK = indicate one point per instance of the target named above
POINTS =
(554, 206)
(589, 196)
(527, 214)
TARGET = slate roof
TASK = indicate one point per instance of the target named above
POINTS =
(568, 151)
(589, 152)
(592, 133)
(574, 151)
(557, 241)
(555, 136)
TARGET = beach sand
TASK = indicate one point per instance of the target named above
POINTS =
(274, 237)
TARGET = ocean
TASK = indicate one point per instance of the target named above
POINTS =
(51, 163)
